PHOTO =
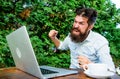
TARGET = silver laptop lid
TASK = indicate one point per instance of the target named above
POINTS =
(22, 52)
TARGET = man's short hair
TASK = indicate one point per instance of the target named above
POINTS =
(89, 13)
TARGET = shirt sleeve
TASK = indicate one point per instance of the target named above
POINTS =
(64, 44)
(104, 57)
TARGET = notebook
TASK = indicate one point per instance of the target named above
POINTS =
(25, 59)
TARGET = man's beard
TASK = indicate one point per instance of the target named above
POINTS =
(78, 38)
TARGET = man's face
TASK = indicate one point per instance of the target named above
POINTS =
(80, 29)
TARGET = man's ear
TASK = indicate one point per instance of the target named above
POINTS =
(91, 26)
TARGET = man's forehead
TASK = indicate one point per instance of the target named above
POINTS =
(81, 18)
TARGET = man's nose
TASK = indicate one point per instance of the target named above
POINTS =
(76, 25)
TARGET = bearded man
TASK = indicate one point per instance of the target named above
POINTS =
(85, 45)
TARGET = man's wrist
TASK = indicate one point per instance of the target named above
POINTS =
(53, 38)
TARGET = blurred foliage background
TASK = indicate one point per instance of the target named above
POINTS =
(40, 16)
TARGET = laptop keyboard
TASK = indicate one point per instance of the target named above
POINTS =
(45, 71)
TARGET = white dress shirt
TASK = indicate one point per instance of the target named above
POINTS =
(95, 47)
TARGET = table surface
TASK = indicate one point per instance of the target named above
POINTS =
(14, 73)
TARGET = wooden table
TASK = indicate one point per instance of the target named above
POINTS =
(14, 73)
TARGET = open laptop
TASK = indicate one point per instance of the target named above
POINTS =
(25, 59)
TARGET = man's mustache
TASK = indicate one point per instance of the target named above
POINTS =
(74, 29)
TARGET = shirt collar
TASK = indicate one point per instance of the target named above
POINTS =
(90, 36)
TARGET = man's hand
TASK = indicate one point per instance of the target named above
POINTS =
(82, 60)
(52, 34)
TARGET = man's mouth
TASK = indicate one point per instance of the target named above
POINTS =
(75, 30)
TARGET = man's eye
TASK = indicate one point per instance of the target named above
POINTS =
(75, 21)
(81, 23)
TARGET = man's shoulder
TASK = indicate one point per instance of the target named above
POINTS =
(99, 40)
(99, 36)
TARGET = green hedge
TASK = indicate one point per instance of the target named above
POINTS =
(45, 15)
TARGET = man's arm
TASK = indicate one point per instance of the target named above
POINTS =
(105, 57)
(52, 35)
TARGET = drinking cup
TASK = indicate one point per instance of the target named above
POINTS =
(96, 68)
